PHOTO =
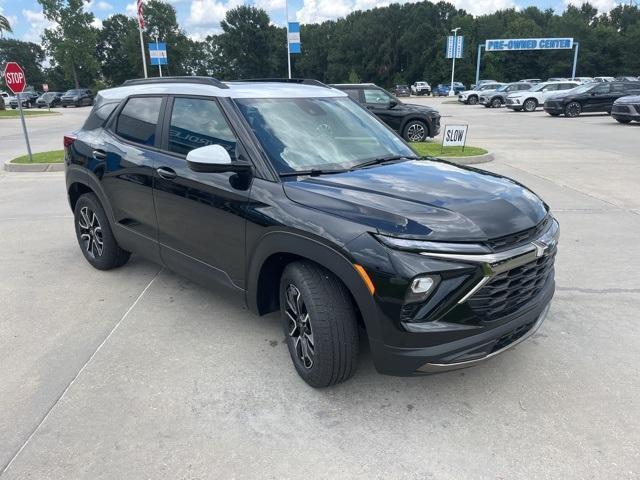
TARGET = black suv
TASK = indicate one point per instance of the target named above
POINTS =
(415, 123)
(296, 199)
(591, 97)
(77, 97)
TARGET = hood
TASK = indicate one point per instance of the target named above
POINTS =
(411, 107)
(628, 99)
(424, 199)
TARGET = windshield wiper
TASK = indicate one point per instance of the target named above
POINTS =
(379, 160)
(314, 172)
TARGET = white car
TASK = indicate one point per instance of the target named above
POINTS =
(529, 100)
(421, 88)
(5, 96)
(582, 80)
(604, 79)
(470, 97)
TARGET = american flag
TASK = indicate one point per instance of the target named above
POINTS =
(140, 16)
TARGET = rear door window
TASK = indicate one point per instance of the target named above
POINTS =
(138, 120)
(198, 122)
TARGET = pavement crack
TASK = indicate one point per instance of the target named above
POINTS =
(77, 375)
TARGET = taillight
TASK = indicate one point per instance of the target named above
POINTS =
(68, 140)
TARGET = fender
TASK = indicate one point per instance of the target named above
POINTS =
(77, 174)
(283, 242)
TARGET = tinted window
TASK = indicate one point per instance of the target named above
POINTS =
(524, 86)
(197, 122)
(353, 94)
(138, 119)
(98, 115)
(617, 88)
(632, 87)
(602, 89)
(375, 96)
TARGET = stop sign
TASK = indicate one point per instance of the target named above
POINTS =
(14, 77)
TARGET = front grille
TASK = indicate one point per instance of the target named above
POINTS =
(507, 292)
(515, 239)
(512, 336)
(621, 109)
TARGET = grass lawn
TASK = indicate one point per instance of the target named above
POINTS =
(54, 156)
(428, 149)
(8, 113)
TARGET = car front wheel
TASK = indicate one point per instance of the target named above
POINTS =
(416, 131)
(530, 105)
(319, 324)
(573, 109)
(473, 100)
(623, 120)
(496, 103)
(94, 235)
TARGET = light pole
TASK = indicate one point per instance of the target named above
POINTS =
(453, 63)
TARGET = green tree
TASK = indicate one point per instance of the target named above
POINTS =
(5, 26)
(29, 55)
(72, 42)
(119, 49)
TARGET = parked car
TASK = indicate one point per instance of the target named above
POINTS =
(27, 98)
(481, 82)
(470, 97)
(497, 98)
(402, 91)
(49, 99)
(558, 79)
(626, 109)
(627, 78)
(582, 80)
(415, 123)
(421, 88)
(77, 97)
(531, 80)
(443, 89)
(529, 100)
(322, 213)
(591, 97)
(604, 79)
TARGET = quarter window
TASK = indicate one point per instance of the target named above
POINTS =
(138, 119)
(353, 94)
(197, 122)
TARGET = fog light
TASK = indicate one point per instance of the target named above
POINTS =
(421, 287)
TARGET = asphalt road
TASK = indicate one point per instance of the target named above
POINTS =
(138, 373)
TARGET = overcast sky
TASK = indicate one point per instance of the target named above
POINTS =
(200, 17)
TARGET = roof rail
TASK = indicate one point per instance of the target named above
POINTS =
(304, 81)
(184, 79)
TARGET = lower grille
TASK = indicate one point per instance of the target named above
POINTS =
(620, 109)
(509, 291)
(512, 336)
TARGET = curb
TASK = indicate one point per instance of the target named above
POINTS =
(487, 157)
(33, 167)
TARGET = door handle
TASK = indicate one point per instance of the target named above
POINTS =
(99, 154)
(166, 173)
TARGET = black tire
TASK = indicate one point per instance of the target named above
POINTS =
(496, 103)
(92, 227)
(330, 327)
(623, 119)
(64, 106)
(415, 131)
(572, 109)
(554, 114)
(472, 100)
(530, 105)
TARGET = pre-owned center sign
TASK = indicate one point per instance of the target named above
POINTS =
(505, 44)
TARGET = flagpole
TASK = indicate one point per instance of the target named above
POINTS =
(144, 59)
(286, 2)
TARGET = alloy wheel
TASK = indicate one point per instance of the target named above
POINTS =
(496, 103)
(573, 109)
(90, 232)
(530, 105)
(299, 326)
(415, 132)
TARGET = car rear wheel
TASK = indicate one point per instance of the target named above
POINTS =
(530, 105)
(319, 323)
(573, 109)
(416, 131)
(94, 235)
(473, 100)
(496, 103)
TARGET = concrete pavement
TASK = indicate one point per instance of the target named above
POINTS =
(138, 373)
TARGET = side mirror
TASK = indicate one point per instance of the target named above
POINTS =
(214, 159)
(392, 103)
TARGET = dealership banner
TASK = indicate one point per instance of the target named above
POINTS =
(505, 44)
(294, 37)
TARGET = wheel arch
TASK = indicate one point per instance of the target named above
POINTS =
(81, 181)
(278, 249)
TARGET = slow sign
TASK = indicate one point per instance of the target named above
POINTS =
(14, 77)
(454, 135)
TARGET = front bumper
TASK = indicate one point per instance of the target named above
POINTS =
(556, 108)
(626, 111)
(513, 103)
(69, 101)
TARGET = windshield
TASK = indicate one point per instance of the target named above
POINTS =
(539, 87)
(502, 88)
(73, 92)
(301, 134)
(581, 89)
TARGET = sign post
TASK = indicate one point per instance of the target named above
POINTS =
(16, 82)
(158, 54)
(454, 50)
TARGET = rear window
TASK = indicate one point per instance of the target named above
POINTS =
(138, 119)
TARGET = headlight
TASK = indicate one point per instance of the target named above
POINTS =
(429, 246)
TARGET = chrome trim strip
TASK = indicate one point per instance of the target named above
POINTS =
(444, 367)
(496, 263)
